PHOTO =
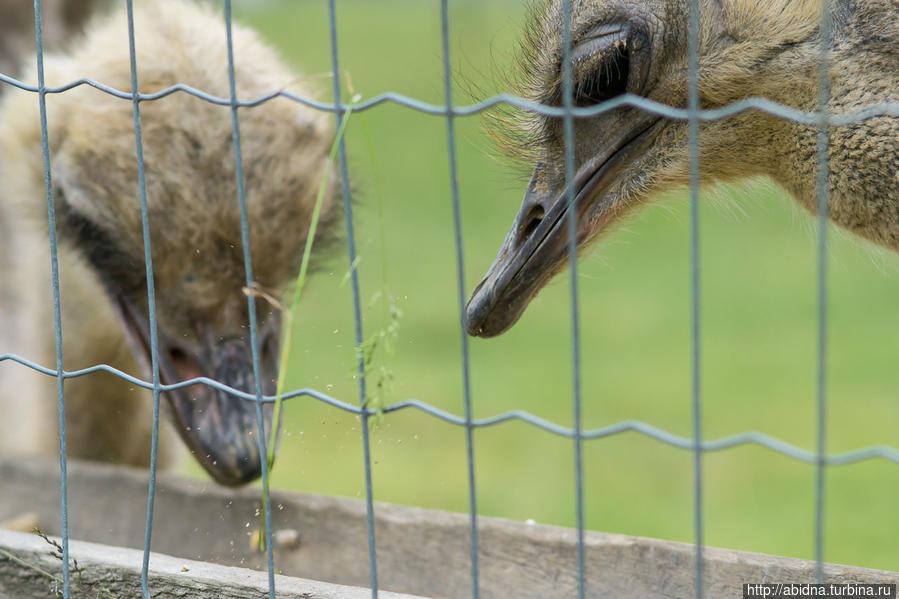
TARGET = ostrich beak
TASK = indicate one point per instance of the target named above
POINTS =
(220, 429)
(537, 246)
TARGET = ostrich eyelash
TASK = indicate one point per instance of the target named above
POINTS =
(600, 66)
(600, 71)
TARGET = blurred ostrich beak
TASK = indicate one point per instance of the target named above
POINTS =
(221, 430)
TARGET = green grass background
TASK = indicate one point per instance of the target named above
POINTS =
(758, 327)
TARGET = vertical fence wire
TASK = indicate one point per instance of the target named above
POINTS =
(460, 277)
(151, 301)
(568, 105)
(695, 288)
(357, 309)
(57, 311)
(251, 303)
(825, 33)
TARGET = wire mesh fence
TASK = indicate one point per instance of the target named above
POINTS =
(693, 114)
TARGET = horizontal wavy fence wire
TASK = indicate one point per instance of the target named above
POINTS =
(822, 119)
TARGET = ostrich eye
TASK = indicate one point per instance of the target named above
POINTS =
(601, 66)
(607, 80)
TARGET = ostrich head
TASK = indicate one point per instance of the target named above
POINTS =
(192, 196)
(624, 156)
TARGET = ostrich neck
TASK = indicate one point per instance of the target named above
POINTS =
(863, 157)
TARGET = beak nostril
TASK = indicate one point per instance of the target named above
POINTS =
(184, 365)
(534, 217)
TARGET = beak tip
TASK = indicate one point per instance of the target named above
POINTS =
(475, 311)
(233, 466)
(223, 434)
(236, 474)
(486, 315)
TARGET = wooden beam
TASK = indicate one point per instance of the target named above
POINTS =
(28, 569)
(423, 552)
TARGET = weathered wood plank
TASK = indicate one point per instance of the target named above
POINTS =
(29, 570)
(424, 552)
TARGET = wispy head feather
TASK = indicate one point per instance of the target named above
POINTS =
(519, 134)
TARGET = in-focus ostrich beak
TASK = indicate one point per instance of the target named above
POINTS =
(536, 247)
(220, 429)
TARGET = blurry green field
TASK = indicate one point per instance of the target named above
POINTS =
(758, 328)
